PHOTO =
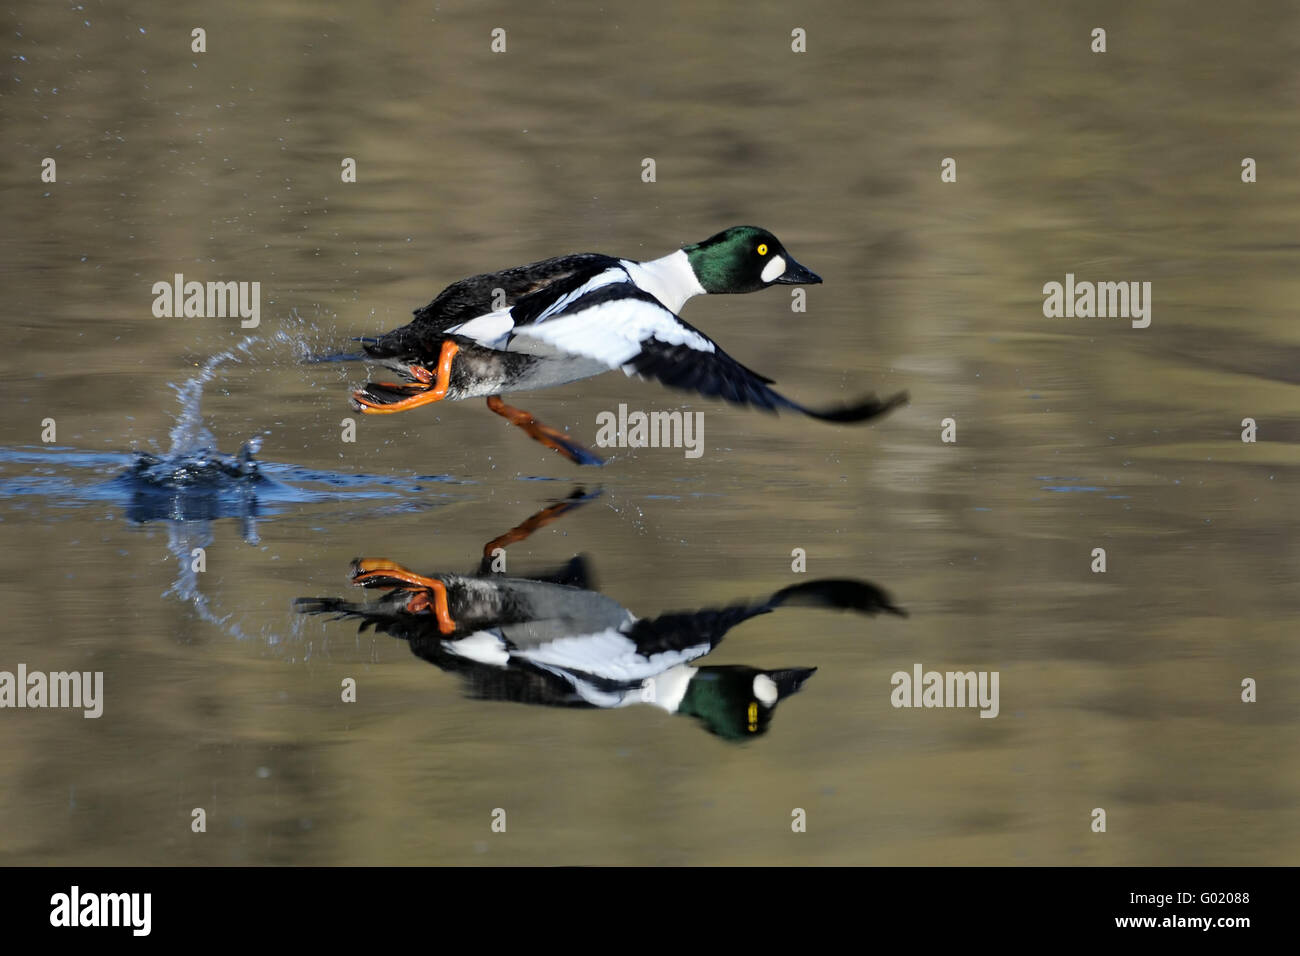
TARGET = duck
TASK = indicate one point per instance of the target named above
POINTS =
(551, 640)
(571, 317)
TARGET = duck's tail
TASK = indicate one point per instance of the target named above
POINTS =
(339, 607)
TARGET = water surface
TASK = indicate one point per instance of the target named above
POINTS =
(1119, 691)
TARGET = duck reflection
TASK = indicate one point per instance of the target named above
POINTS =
(552, 640)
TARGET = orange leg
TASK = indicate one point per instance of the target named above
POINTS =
(550, 437)
(368, 570)
(423, 375)
(431, 393)
(539, 520)
(424, 379)
(420, 602)
(440, 610)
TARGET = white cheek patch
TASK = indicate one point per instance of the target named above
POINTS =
(765, 688)
(773, 269)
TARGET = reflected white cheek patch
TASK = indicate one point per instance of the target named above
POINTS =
(764, 687)
(773, 269)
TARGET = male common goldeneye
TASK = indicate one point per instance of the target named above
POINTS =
(568, 318)
(552, 641)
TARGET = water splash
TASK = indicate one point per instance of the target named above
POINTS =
(189, 434)
(193, 484)
(182, 540)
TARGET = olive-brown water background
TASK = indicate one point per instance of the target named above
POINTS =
(1119, 691)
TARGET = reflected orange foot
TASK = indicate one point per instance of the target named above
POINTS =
(382, 573)
(522, 530)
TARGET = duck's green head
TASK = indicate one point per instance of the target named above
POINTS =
(737, 702)
(745, 259)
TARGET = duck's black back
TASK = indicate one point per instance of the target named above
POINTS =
(475, 296)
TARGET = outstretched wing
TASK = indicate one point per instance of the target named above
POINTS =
(708, 626)
(621, 326)
(718, 375)
(476, 296)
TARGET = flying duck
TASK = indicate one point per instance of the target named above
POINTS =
(571, 317)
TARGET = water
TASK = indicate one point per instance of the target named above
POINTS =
(193, 484)
(1118, 690)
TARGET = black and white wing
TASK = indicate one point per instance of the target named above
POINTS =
(477, 296)
(610, 660)
(607, 319)
(495, 329)
(623, 327)
(718, 375)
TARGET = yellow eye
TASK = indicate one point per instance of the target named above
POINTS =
(762, 248)
(753, 704)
